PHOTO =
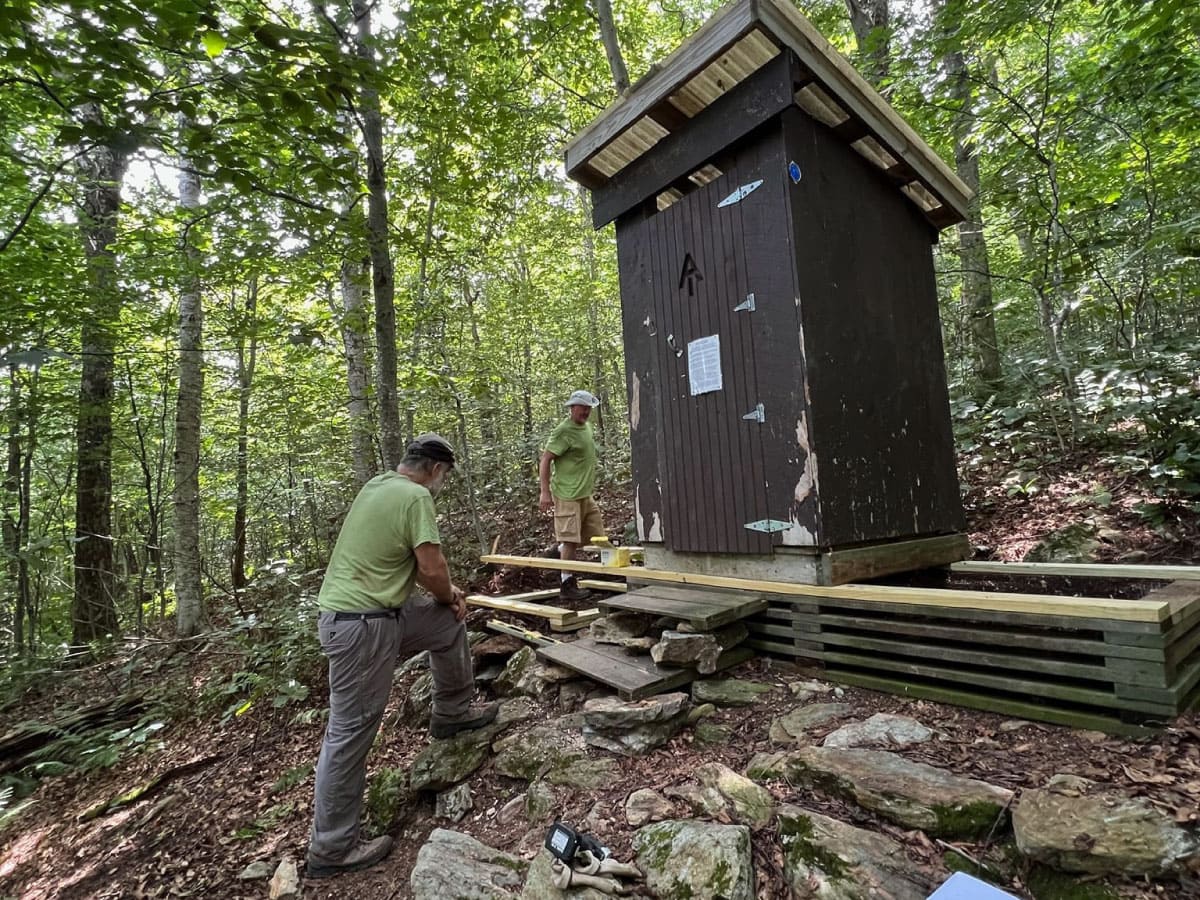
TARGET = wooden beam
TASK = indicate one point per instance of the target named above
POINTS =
(861, 563)
(595, 584)
(1073, 607)
(1087, 570)
(533, 637)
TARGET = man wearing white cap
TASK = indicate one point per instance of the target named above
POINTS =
(571, 454)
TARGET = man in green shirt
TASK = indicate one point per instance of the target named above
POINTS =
(571, 454)
(368, 621)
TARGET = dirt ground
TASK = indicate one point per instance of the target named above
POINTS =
(239, 789)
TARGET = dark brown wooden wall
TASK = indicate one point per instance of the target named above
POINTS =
(876, 370)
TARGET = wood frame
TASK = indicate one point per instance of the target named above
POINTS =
(787, 26)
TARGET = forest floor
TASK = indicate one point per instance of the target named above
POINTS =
(241, 785)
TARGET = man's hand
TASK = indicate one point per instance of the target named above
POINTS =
(458, 602)
(546, 502)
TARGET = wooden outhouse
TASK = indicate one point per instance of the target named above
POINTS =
(787, 388)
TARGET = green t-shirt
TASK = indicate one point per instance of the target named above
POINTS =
(373, 565)
(573, 473)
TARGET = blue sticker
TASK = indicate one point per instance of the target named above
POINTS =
(794, 171)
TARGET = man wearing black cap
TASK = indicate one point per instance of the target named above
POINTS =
(388, 543)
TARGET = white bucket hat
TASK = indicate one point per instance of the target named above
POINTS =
(582, 398)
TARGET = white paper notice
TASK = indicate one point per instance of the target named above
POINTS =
(704, 364)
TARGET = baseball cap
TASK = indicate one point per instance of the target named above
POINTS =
(582, 398)
(432, 446)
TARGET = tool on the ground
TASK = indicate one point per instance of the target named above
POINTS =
(581, 861)
(534, 637)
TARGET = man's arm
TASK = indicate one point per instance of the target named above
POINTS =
(545, 501)
(433, 574)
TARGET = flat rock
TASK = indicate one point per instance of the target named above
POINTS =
(455, 866)
(445, 763)
(791, 727)
(824, 859)
(540, 802)
(881, 728)
(644, 806)
(696, 860)
(419, 700)
(414, 662)
(496, 646)
(586, 774)
(634, 727)
(531, 752)
(701, 650)
(525, 675)
(454, 803)
(806, 690)
(1076, 826)
(711, 733)
(256, 871)
(908, 793)
(728, 691)
(285, 883)
(624, 629)
(748, 802)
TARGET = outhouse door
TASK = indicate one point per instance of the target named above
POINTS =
(714, 484)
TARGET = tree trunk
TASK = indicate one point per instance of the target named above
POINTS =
(189, 599)
(11, 526)
(93, 611)
(972, 245)
(870, 21)
(247, 357)
(383, 275)
(354, 330)
(612, 46)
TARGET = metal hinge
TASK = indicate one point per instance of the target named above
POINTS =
(747, 305)
(758, 414)
(770, 526)
(740, 194)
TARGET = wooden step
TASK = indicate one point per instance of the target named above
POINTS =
(560, 619)
(703, 610)
(633, 676)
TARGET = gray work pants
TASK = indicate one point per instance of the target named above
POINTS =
(363, 654)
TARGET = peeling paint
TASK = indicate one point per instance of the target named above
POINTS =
(637, 514)
(798, 536)
(635, 403)
(655, 533)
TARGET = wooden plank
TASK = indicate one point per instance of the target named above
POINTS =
(634, 677)
(975, 656)
(703, 612)
(595, 584)
(1088, 570)
(1006, 683)
(722, 123)
(533, 637)
(1137, 611)
(1028, 638)
(555, 614)
(860, 563)
(990, 703)
(775, 647)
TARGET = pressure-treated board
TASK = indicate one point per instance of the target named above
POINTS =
(597, 584)
(633, 676)
(560, 619)
(1086, 607)
(1091, 570)
(703, 610)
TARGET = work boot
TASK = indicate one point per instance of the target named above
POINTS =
(363, 856)
(475, 717)
(570, 590)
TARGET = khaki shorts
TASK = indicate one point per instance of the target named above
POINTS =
(577, 521)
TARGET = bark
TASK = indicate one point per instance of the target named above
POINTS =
(875, 46)
(414, 353)
(13, 517)
(593, 312)
(152, 488)
(612, 46)
(354, 342)
(247, 357)
(93, 610)
(383, 274)
(972, 244)
(189, 598)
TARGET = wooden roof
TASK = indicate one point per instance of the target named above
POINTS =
(736, 42)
